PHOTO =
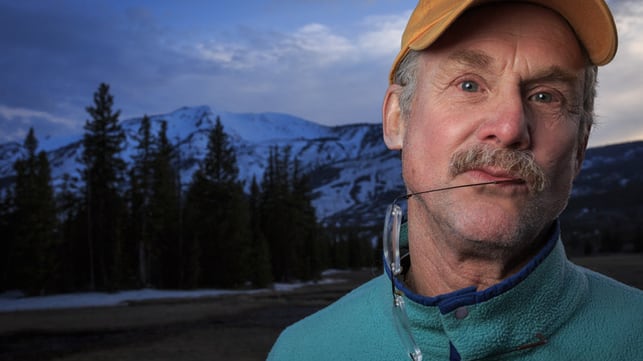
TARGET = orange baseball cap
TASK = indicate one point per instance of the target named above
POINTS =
(591, 20)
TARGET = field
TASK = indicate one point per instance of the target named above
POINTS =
(240, 327)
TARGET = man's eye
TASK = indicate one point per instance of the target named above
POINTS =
(543, 97)
(469, 86)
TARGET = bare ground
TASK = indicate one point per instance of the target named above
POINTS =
(235, 327)
(241, 327)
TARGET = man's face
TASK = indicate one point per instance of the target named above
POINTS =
(505, 78)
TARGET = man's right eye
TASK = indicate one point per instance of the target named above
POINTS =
(469, 86)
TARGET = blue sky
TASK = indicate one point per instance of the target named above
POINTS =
(325, 61)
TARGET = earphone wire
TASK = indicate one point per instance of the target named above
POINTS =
(409, 195)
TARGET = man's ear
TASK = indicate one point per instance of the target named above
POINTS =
(392, 122)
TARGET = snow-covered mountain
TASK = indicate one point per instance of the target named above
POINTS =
(354, 176)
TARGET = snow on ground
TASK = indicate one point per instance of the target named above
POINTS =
(14, 301)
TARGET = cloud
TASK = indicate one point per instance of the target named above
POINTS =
(328, 74)
(317, 42)
(56, 54)
(313, 45)
(381, 37)
(14, 123)
(21, 114)
(618, 106)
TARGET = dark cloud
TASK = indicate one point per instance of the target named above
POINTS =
(56, 53)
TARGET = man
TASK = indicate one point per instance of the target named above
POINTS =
(491, 104)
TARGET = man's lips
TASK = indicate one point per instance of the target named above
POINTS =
(493, 175)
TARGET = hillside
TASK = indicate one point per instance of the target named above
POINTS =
(354, 177)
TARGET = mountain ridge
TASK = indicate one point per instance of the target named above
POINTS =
(353, 175)
(324, 151)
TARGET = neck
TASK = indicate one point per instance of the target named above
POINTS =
(433, 276)
(440, 267)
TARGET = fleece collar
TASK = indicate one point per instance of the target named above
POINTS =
(517, 314)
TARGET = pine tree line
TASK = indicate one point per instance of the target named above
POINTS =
(140, 226)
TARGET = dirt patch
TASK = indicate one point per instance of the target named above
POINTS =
(234, 327)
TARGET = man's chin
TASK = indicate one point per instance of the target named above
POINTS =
(502, 230)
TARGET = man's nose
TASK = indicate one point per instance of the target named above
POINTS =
(506, 123)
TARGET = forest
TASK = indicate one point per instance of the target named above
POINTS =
(126, 226)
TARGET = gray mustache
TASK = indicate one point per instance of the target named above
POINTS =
(516, 163)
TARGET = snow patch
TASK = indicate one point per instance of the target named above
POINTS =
(12, 301)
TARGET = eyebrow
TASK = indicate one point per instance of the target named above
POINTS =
(471, 58)
(554, 73)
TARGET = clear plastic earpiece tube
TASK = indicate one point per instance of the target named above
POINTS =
(403, 326)
(391, 238)
(391, 243)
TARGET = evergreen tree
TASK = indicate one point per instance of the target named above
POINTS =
(360, 251)
(307, 231)
(217, 214)
(141, 188)
(165, 214)
(288, 219)
(274, 217)
(73, 252)
(103, 175)
(7, 241)
(35, 220)
(261, 273)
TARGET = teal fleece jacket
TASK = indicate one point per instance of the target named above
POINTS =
(550, 310)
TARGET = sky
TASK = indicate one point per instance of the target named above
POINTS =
(326, 61)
